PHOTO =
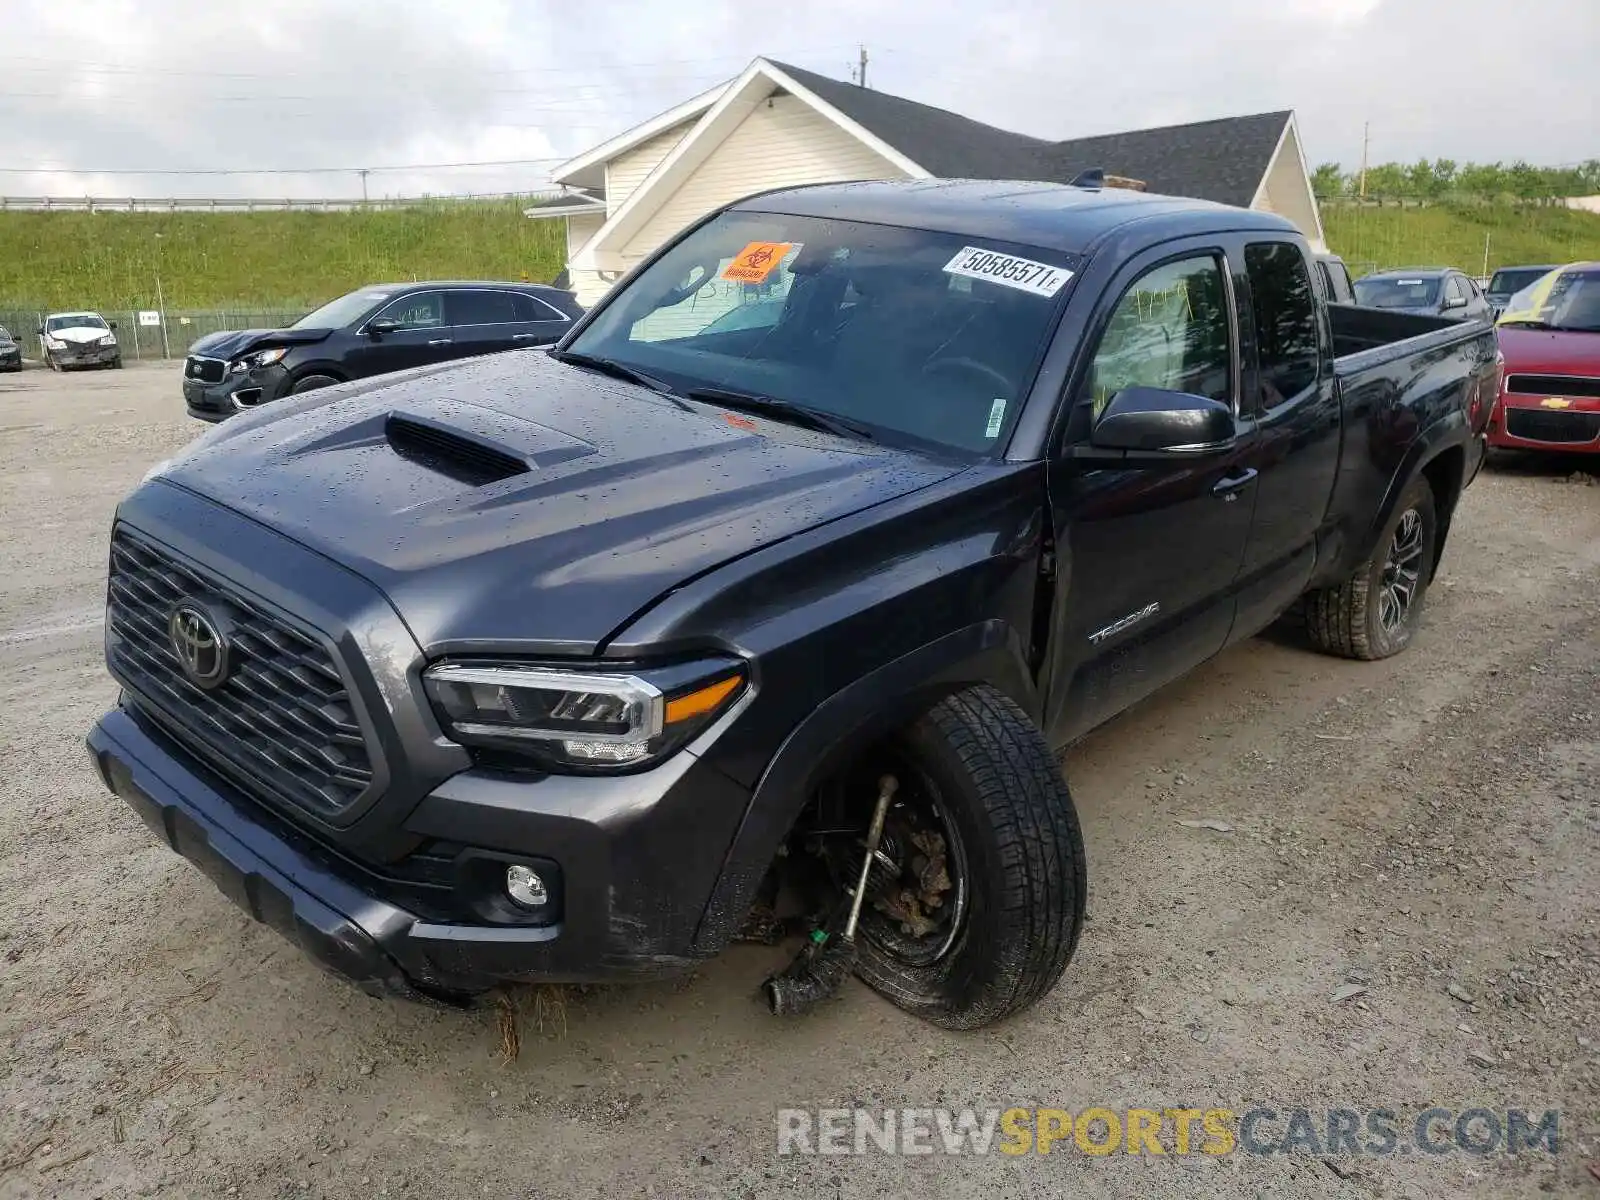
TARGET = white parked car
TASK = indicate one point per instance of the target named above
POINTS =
(80, 339)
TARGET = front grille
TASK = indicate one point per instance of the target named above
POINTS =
(1553, 385)
(1541, 425)
(206, 370)
(281, 727)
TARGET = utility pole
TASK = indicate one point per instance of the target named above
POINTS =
(363, 173)
(1366, 138)
(861, 70)
(161, 303)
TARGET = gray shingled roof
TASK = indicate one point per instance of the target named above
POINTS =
(1222, 160)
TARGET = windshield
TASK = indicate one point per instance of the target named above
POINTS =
(922, 338)
(346, 310)
(1514, 279)
(1567, 300)
(1397, 291)
(74, 321)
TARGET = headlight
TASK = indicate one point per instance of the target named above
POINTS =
(261, 358)
(50, 343)
(109, 339)
(582, 720)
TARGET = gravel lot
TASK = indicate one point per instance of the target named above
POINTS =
(1425, 828)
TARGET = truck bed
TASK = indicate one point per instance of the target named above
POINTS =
(1364, 338)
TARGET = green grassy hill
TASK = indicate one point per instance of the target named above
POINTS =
(296, 260)
(1453, 235)
(285, 260)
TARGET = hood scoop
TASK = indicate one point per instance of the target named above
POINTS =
(451, 453)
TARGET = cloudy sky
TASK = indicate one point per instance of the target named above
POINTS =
(93, 88)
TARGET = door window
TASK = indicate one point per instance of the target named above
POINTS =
(422, 311)
(481, 308)
(1288, 341)
(531, 308)
(1454, 290)
(1169, 330)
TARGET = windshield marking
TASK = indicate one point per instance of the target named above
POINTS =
(1008, 270)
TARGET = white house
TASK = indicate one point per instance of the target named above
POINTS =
(779, 126)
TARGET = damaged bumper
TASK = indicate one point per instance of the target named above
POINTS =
(374, 925)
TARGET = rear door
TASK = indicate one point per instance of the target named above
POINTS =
(1289, 393)
(482, 320)
(421, 336)
(1146, 554)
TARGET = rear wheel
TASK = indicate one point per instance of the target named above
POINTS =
(1375, 612)
(978, 891)
(311, 383)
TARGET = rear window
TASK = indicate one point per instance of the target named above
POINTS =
(925, 338)
(1398, 291)
(1510, 280)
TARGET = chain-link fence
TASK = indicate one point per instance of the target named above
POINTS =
(141, 340)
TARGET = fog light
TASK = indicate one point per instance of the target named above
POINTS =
(525, 887)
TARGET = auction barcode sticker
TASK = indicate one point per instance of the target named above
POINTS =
(1021, 273)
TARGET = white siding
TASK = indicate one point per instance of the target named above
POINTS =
(782, 143)
(589, 286)
(580, 229)
(1288, 191)
(627, 171)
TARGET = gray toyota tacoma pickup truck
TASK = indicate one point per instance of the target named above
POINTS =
(774, 589)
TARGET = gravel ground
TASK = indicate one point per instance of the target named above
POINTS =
(1416, 838)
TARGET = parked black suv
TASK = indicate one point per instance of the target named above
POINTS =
(370, 332)
(554, 665)
(10, 352)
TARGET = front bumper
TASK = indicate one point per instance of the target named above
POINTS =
(621, 915)
(87, 356)
(1530, 423)
(10, 360)
(219, 401)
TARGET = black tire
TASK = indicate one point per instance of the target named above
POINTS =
(116, 363)
(1356, 619)
(52, 363)
(1002, 790)
(311, 383)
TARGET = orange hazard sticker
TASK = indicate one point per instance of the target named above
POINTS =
(756, 261)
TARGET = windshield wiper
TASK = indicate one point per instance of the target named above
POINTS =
(1529, 323)
(783, 410)
(611, 367)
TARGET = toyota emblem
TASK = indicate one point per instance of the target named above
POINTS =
(201, 649)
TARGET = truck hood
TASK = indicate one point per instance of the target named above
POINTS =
(617, 494)
(231, 343)
(1549, 351)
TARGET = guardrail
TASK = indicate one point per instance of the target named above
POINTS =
(245, 204)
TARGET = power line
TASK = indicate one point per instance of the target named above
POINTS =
(506, 162)
(599, 66)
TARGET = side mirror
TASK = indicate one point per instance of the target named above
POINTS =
(376, 329)
(1144, 418)
(113, 324)
(40, 331)
(1455, 301)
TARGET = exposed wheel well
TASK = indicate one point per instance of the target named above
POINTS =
(1444, 474)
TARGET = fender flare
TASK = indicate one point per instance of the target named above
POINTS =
(989, 652)
(1448, 433)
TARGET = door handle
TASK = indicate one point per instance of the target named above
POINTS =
(523, 337)
(439, 341)
(1229, 486)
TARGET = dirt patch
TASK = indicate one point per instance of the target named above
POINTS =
(1401, 912)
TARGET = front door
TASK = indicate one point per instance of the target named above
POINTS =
(1147, 551)
(420, 336)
